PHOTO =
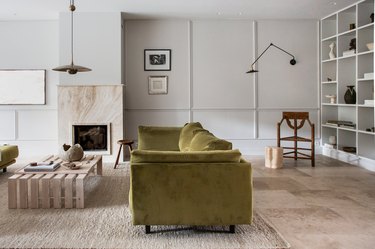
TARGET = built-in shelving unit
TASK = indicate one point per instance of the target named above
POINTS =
(355, 68)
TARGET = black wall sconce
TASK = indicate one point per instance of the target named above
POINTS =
(292, 61)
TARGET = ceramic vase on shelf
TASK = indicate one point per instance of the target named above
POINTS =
(350, 95)
(332, 54)
(332, 140)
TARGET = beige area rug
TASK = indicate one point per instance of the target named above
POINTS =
(106, 223)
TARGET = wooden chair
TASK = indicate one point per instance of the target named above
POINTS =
(292, 119)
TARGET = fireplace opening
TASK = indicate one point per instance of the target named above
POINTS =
(92, 137)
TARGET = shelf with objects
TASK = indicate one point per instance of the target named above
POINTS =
(347, 81)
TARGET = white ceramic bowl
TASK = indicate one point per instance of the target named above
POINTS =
(370, 46)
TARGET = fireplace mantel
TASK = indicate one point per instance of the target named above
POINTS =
(80, 104)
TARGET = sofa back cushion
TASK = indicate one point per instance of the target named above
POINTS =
(158, 138)
(228, 156)
(187, 134)
(204, 140)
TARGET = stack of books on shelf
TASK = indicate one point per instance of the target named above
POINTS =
(342, 124)
(42, 167)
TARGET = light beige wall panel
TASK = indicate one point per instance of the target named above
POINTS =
(7, 125)
(280, 84)
(37, 125)
(227, 124)
(145, 34)
(221, 54)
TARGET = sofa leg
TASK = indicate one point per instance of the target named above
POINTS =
(4, 170)
(148, 229)
(232, 229)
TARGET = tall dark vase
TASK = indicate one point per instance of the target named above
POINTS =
(349, 96)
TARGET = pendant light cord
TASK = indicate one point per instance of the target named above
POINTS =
(72, 8)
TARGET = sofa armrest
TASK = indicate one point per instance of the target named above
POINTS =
(191, 193)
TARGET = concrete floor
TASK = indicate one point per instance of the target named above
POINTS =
(330, 206)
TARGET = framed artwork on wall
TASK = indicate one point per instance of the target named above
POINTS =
(157, 85)
(157, 59)
(22, 87)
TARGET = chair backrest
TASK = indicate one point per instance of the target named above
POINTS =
(294, 116)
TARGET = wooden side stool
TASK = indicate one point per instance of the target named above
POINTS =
(274, 157)
(126, 142)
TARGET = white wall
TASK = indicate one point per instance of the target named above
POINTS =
(30, 45)
(97, 45)
(208, 81)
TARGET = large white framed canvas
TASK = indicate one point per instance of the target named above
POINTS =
(22, 87)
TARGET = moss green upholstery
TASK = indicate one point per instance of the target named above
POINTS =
(188, 187)
(158, 138)
(204, 140)
(191, 193)
(187, 134)
(8, 155)
(145, 156)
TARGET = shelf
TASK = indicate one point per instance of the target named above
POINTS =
(346, 129)
(369, 25)
(346, 57)
(366, 132)
(348, 70)
(329, 38)
(366, 106)
(348, 32)
(329, 60)
(366, 52)
(329, 126)
(363, 80)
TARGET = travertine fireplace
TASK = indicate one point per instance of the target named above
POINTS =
(94, 114)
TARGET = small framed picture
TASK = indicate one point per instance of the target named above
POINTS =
(157, 84)
(157, 59)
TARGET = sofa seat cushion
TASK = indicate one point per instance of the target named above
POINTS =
(158, 138)
(8, 153)
(204, 141)
(142, 156)
(187, 134)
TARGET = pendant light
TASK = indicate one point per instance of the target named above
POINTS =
(71, 68)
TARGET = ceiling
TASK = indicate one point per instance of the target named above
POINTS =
(192, 9)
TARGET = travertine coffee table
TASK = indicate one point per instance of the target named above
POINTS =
(62, 188)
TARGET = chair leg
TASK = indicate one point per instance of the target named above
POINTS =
(118, 157)
(148, 229)
(232, 229)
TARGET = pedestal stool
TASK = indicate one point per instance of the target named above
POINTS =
(274, 157)
(125, 142)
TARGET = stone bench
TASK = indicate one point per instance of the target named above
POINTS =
(8, 155)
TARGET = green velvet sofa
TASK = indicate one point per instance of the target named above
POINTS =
(8, 155)
(187, 176)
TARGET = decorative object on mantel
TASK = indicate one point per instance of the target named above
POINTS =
(332, 47)
(292, 61)
(372, 17)
(157, 59)
(332, 98)
(369, 102)
(350, 95)
(329, 79)
(372, 129)
(71, 68)
(370, 46)
(71, 153)
(351, 26)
